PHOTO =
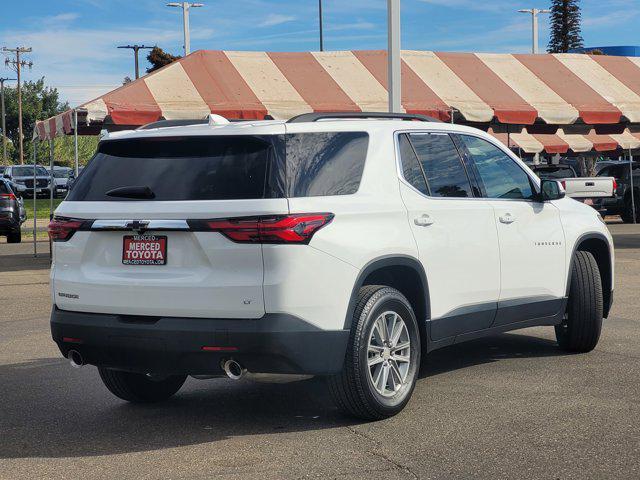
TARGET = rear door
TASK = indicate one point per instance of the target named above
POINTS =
(138, 252)
(455, 233)
(532, 250)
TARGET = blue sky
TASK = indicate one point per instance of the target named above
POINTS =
(75, 41)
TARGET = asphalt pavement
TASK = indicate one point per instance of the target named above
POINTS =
(509, 406)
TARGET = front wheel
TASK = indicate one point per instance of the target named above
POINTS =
(383, 356)
(580, 330)
(140, 388)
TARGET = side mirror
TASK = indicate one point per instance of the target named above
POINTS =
(550, 190)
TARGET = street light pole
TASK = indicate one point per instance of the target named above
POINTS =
(320, 21)
(393, 54)
(186, 6)
(534, 25)
(135, 49)
(4, 123)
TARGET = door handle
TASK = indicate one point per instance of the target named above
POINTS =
(423, 221)
(507, 218)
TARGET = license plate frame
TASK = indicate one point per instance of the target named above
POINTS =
(148, 256)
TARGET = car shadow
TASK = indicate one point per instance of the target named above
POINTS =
(488, 350)
(49, 409)
(24, 261)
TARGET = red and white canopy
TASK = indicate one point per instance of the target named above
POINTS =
(513, 89)
(562, 142)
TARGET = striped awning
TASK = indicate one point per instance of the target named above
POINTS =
(512, 89)
(562, 143)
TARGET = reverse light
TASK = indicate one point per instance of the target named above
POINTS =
(296, 229)
(62, 229)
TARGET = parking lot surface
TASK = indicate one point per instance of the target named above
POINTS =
(509, 406)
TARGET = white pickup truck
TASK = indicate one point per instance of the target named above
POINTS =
(580, 188)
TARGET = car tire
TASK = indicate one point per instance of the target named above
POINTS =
(580, 330)
(138, 387)
(373, 391)
(14, 237)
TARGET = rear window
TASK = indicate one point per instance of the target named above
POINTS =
(4, 188)
(327, 163)
(549, 173)
(182, 168)
(227, 167)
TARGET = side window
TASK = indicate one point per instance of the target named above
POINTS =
(327, 163)
(442, 165)
(604, 172)
(410, 167)
(501, 176)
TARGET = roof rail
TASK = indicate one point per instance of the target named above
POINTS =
(315, 116)
(175, 123)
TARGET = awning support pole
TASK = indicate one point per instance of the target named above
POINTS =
(75, 139)
(35, 149)
(52, 185)
(633, 202)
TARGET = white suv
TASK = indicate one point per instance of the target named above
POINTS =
(326, 245)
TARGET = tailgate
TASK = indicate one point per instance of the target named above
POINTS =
(589, 187)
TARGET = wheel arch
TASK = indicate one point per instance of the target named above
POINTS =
(402, 272)
(598, 245)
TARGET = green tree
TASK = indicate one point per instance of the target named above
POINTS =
(39, 102)
(565, 26)
(158, 58)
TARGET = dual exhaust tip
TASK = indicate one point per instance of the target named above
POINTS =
(232, 368)
(75, 358)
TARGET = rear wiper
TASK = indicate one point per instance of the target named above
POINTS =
(132, 191)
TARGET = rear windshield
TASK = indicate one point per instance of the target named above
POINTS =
(555, 172)
(4, 188)
(180, 168)
(226, 167)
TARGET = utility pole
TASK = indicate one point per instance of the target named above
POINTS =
(393, 54)
(17, 65)
(186, 6)
(4, 122)
(534, 25)
(320, 21)
(135, 49)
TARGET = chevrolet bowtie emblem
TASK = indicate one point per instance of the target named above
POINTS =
(138, 225)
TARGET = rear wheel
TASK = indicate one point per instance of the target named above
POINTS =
(383, 356)
(580, 330)
(140, 388)
(14, 237)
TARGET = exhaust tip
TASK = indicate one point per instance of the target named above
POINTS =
(233, 369)
(75, 359)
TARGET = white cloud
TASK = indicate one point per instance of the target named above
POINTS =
(274, 19)
(61, 19)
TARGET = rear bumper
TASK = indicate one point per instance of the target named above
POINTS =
(275, 343)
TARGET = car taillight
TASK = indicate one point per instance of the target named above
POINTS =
(564, 184)
(8, 195)
(615, 185)
(297, 228)
(62, 229)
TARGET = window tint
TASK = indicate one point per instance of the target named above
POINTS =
(4, 188)
(325, 163)
(181, 168)
(410, 167)
(442, 165)
(552, 173)
(501, 176)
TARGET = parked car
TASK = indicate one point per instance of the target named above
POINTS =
(62, 178)
(620, 204)
(584, 189)
(342, 245)
(12, 212)
(23, 175)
